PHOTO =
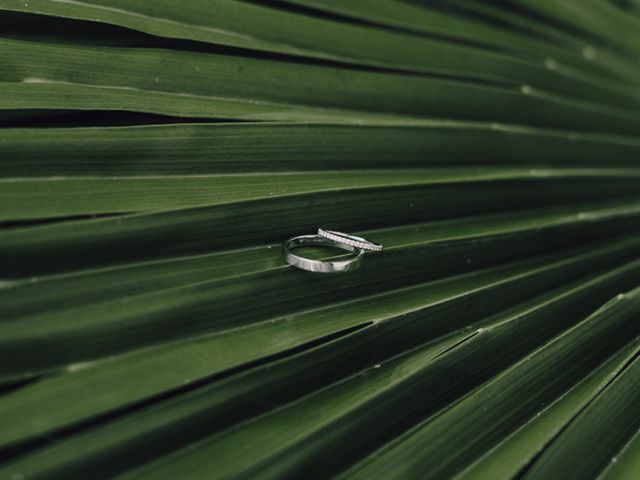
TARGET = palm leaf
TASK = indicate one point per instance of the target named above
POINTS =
(155, 155)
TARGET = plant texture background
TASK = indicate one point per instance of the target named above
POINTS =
(154, 155)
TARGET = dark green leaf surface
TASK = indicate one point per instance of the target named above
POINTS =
(62, 76)
(200, 149)
(387, 335)
(47, 197)
(242, 24)
(155, 155)
(515, 452)
(625, 465)
(520, 391)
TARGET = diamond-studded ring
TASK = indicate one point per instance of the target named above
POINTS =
(328, 238)
(351, 240)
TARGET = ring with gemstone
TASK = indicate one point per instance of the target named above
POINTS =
(321, 266)
(350, 240)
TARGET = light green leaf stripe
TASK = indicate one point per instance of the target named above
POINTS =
(245, 25)
(555, 31)
(611, 414)
(263, 147)
(410, 16)
(626, 465)
(516, 451)
(115, 75)
(597, 17)
(24, 198)
(576, 347)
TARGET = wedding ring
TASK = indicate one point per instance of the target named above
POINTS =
(350, 240)
(321, 266)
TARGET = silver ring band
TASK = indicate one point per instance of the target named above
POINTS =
(350, 240)
(329, 266)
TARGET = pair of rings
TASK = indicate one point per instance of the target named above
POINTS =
(327, 238)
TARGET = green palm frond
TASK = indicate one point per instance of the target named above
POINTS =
(155, 155)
